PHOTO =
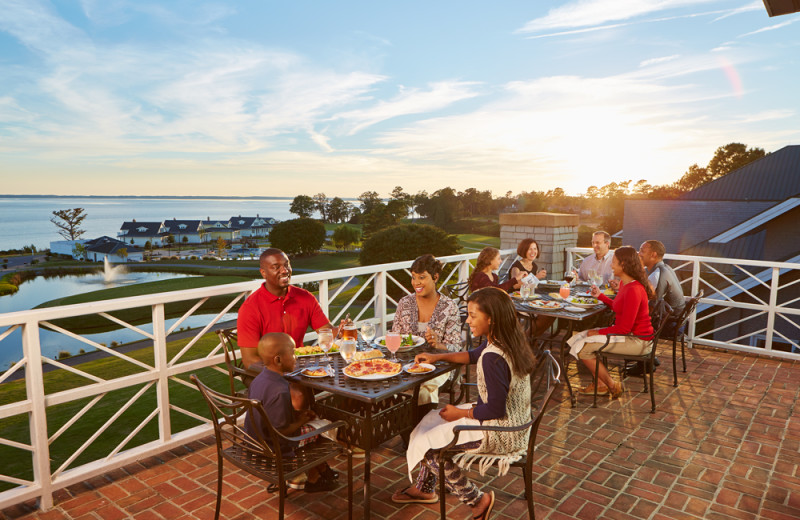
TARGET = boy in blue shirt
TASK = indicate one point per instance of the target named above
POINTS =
(276, 350)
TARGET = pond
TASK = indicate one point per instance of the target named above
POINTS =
(40, 290)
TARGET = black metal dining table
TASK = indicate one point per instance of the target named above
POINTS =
(375, 410)
(571, 319)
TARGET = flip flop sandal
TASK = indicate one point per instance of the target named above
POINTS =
(488, 510)
(402, 497)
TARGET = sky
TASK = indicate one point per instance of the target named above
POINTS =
(269, 98)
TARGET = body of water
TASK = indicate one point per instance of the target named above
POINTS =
(40, 290)
(26, 219)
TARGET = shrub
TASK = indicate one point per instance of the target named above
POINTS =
(81, 351)
(300, 236)
(407, 242)
(34, 261)
(63, 354)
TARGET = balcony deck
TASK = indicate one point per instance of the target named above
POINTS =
(725, 444)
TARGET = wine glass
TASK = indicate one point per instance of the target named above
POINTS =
(569, 275)
(325, 338)
(347, 349)
(367, 332)
(393, 344)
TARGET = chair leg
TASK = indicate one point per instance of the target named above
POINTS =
(683, 351)
(674, 362)
(527, 473)
(442, 503)
(350, 485)
(652, 393)
(596, 380)
(219, 486)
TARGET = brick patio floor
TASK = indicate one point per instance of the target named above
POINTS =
(723, 445)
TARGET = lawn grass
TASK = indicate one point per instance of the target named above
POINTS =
(17, 463)
(94, 323)
(472, 243)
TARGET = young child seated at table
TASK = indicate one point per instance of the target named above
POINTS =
(276, 350)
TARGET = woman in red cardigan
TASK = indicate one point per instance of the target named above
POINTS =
(632, 316)
(484, 276)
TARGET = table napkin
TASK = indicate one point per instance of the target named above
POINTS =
(433, 433)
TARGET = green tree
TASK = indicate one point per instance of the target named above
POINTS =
(730, 157)
(338, 210)
(406, 242)
(185, 239)
(345, 236)
(221, 246)
(68, 222)
(302, 206)
(79, 251)
(379, 217)
(300, 236)
(369, 200)
(123, 253)
(169, 240)
(321, 205)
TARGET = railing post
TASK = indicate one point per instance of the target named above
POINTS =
(463, 271)
(160, 356)
(695, 290)
(34, 386)
(323, 296)
(773, 304)
(380, 300)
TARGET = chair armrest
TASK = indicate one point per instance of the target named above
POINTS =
(317, 431)
(608, 339)
(465, 428)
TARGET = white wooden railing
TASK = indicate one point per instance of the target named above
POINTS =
(165, 377)
(761, 293)
(748, 305)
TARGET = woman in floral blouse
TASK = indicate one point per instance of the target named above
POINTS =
(431, 314)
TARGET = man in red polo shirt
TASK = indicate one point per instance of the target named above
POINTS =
(276, 307)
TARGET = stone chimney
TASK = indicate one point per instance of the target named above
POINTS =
(554, 232)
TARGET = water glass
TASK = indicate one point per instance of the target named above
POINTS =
(525, 291)
(325, 338)
(368, 332)
(347, 349)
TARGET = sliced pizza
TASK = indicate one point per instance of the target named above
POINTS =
(372, 367)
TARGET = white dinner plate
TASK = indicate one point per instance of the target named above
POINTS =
(430, 368)
(572, 308)
(372, 377)
(418, 340)
(553, 305)
(572, 300)
(303, 373)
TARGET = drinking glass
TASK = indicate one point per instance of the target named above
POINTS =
(569, 276)
(525, 291)
(349, 331)
(564, 291)
(325, 338)
(347, 349)
(393, 344)
(368, 332)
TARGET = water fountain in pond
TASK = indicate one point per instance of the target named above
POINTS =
(110, 272)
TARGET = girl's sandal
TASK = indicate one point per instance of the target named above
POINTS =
(488, 510)
(617, 391)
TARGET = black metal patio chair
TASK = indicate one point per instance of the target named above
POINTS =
(675, 327)
(544, 380)
(659, 314)
(260, 456)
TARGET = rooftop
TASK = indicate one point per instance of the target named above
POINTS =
(724, 444)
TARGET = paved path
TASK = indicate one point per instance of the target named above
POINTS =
(724, 445)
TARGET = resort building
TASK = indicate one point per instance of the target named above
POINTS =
(140, 233)
(184, 231)
(252, 226)
(211, 230)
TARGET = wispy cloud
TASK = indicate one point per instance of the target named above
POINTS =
(770, 28)
(655, 61)
(589, 13)
(410, 101)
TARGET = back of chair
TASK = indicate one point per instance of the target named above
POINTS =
(235, 368)
(544, 380)
(226, 410)
(688, 309)
(660, 311)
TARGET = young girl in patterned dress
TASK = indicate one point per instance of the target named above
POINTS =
(504, 364)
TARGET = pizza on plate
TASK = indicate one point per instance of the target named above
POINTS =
(547, 305)
(416, 368)
(372, 367)
(315, 372)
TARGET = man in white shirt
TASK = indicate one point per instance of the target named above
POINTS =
(600, 261)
